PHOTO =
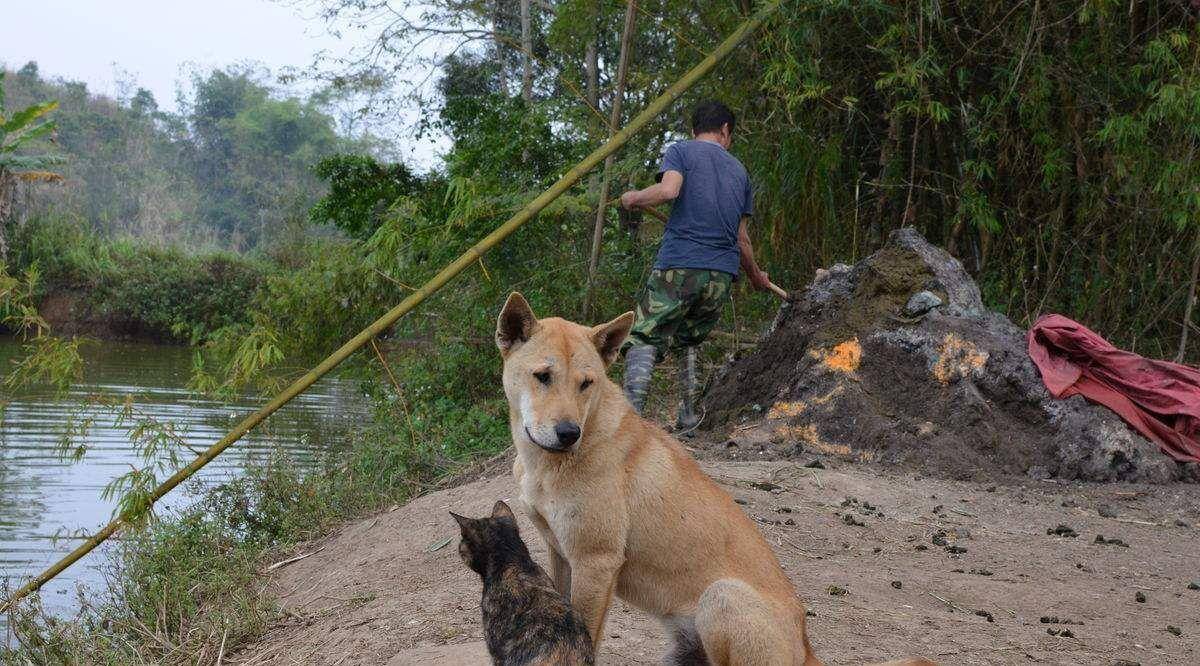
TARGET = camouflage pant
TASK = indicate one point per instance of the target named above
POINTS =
(679, 308)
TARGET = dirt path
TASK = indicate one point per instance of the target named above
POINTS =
(390, 589)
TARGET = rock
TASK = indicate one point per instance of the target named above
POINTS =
(985, 614)
(920, 303)
(897, 584)
(837, 591)
(1194, 585)
(1062, 531)
(1176, 631)
(815, 464)
(1140, 597)
(844, 372)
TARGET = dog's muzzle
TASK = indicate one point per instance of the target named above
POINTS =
(563, 442)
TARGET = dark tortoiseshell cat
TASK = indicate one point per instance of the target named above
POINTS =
(526, 621)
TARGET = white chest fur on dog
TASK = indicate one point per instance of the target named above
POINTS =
(545, 509)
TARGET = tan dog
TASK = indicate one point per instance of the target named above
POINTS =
(624, 508)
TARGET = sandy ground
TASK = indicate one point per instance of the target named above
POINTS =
(391, 590)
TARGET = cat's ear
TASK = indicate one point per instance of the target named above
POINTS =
(502, 511)
(464, 523)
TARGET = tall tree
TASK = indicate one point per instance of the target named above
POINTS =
(614, 121)
(526, 53)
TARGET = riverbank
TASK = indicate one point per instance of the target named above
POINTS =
(44, 494)
(120, 289)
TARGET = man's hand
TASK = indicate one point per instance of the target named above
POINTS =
(760, 280)
(629, 200)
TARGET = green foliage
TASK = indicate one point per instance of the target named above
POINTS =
(46, 360)
(361, 190)
(231, 168)
(175, 593)
(138, 290)
(22, 127)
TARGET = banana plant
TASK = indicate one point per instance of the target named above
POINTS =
(18, 130)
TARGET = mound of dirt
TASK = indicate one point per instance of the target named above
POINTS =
(896, 360)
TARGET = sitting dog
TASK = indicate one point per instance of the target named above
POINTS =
(623, 507)
(526, 621)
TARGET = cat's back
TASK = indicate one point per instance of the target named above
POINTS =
(528, 623)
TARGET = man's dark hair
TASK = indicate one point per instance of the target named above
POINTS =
(710, 115)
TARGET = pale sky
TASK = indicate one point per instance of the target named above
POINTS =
(157, 43)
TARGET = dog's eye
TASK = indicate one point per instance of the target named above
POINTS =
(543, 377)
(584, 386)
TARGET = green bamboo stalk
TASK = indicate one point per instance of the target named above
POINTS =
(380, 325)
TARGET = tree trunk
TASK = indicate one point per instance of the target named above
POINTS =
(8, 191)
(591, 71)
(614, 121)
(498, 39)
(591, 75)
(527, 47)
(1191, 301)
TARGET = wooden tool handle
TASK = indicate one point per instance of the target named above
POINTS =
(778, 290)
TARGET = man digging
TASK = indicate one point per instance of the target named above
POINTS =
(703, 247)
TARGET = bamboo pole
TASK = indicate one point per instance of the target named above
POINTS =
(380, 325)
(613, 120)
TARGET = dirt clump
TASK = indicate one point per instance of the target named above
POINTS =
(848, 372)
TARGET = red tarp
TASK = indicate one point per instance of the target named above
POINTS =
(1159, 399)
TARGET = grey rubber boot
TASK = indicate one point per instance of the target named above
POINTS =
(686, 419)
(639, 365)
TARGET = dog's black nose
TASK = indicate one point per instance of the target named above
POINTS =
(568, 433)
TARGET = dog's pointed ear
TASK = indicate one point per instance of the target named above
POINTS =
(502, 510)
(609, 337)
(515, 323)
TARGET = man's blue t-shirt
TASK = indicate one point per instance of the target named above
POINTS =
(702, 231)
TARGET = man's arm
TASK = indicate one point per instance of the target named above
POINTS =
(661, 192)
(757, 276)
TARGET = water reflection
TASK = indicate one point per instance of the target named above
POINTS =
(42, 495)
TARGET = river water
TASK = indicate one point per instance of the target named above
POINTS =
(42, 495)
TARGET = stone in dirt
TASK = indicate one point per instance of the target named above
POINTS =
(845, 371)
(1062, 531)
